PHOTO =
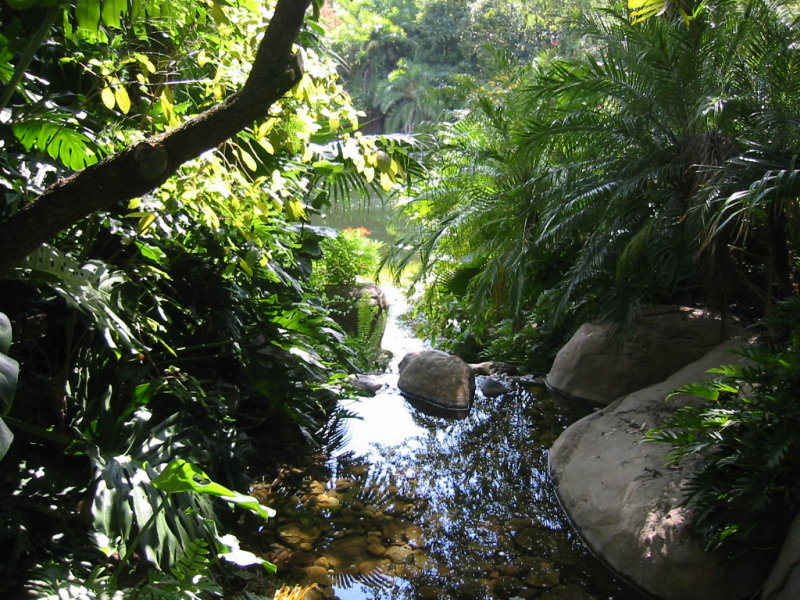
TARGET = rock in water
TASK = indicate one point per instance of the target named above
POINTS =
(595, 366)
(438, 379)
(626, 504)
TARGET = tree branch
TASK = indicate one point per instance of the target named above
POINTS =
(146, 165)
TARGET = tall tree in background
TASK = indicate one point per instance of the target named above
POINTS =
(381, 40)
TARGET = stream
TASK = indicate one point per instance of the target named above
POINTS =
(410, 506)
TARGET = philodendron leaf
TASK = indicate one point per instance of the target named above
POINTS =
(6, 437)
(9, 371)
(182, 476)
(5, 334)
(9, 368)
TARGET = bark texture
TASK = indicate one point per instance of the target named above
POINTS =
(146, 165)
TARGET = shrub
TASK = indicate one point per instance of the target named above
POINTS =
(346, 257)
(746, 489)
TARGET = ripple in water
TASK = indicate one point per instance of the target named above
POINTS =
(413, 506)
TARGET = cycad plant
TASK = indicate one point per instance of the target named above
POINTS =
(658, 167)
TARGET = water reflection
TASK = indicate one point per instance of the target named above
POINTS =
(416, 506)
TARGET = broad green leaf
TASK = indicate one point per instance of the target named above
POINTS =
(153, 253)
(5, 333)
(88, 14)
(182, 476)
(6, 437)
(89, 289)
(57, 136)
(112, 11)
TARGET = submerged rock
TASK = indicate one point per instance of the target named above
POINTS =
(626, 504)
(368, 384)
(492, 387)
(595, 366)
(439, 379)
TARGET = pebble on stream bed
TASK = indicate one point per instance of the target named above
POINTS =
(326, 537)
(398, 528)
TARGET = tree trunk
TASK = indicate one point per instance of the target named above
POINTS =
(146, 165)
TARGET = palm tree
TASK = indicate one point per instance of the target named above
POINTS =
(642, 130)
(412, 93)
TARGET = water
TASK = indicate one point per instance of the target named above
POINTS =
(416, 506)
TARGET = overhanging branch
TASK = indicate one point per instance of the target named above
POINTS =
(146, 165)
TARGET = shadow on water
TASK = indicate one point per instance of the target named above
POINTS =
(417, 506)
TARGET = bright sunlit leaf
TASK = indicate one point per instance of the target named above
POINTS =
(108, 97)
(122, 98)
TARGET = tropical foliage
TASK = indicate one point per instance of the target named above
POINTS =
(744, 493)
(658, 167)
(411, 61)
(179, 326)
(626, 186)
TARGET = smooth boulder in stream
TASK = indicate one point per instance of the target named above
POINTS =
(441, 380)
(596, 365)
(626, 504)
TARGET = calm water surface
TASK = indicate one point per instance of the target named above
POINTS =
(415, 506)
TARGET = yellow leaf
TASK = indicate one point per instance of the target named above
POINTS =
(386, 182)
(146, 63)
(134, 204)
(295, 210)
(245, 267)
(308, 154)
(369, 173)
(145, 222)
(248, 160)
(266, 145)
(202, 58)
(123, 100)
(107, 96)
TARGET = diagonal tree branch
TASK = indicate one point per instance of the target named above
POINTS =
(146, 165)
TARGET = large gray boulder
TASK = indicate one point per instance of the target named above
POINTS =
(625, 503)
(595, 366)
(783, 582)
(439, 379)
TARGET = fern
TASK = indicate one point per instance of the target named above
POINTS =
(190, 577)
(371, 323)
(193, 565)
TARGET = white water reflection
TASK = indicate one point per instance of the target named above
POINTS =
(385, 420)
(397, 339)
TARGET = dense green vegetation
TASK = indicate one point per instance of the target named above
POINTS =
(411, 61)
(177, 325)
(659, 166)
(577, 164)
